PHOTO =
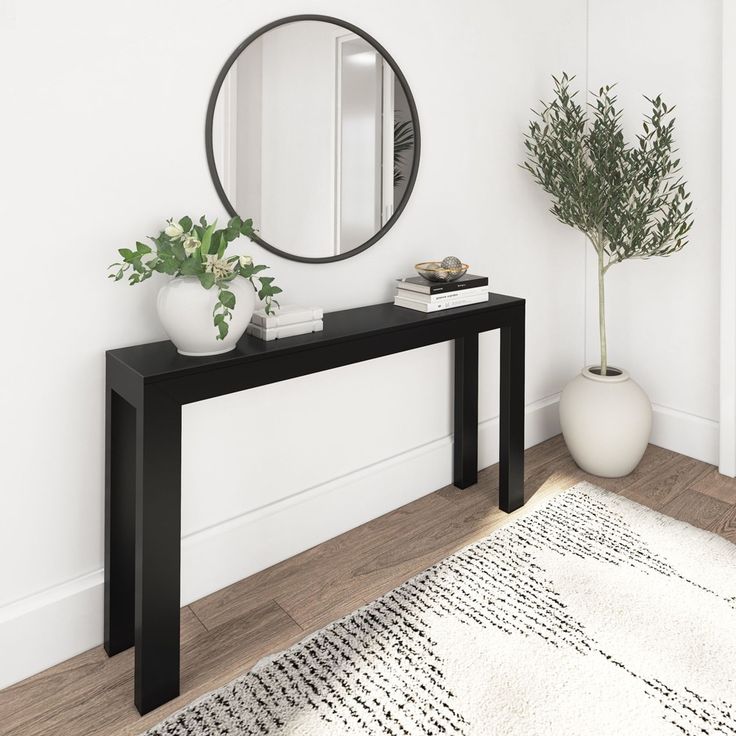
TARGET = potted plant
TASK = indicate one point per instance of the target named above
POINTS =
(630, 202)
(209, 300)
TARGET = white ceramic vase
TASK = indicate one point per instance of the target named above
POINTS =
(606, 422)
(185, 310)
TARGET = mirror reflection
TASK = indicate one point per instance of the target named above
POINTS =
(313, 138)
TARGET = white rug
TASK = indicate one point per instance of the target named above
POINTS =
(590, 615)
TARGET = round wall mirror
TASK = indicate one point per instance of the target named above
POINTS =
(313, 133)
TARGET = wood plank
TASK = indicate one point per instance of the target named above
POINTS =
(666, 482)
(653, 462)
(472, 519)
(68, 698)
(381, 551)
(695, 508)
(542, 453)
(487, 486)
(717, 486)
(321, 574)
(725, 525)
(472, 514)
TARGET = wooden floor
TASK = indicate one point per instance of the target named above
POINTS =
(227, 632)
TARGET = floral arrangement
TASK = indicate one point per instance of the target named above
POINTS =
(185, 249)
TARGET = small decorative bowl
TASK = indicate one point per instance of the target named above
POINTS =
(435, 271)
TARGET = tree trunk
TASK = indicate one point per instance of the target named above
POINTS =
(602, 311)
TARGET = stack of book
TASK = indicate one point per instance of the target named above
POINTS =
(288, 321)
(417, 293)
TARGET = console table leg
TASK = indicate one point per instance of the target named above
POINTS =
(119, 522)
(511, 434)
(465, 446)
(157, 550)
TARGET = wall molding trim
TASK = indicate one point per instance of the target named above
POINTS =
(48, 627)
(43, 629)
(727, 442)
(688, 434)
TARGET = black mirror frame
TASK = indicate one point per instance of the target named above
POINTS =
(412, 109)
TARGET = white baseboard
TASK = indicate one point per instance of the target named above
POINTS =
(685, 433)
(53, 625)
(49, 627)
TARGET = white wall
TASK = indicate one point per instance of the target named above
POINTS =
(663, 314)
(104, 139)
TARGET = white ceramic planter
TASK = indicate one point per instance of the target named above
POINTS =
(185, 310)
(606, 422)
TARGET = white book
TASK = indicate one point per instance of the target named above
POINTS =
(274, 333)
(448, 296)
(289, 314)
(439, 306)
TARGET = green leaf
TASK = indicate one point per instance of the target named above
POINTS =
(178, 250)
(142, 248)
(227, 299)
(207, 239)
(186, 224)
(163, 248)
(167, 264)
(218, 243)
(207, 280)
(192, 266)
(127, 254)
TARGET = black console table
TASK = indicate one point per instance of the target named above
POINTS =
(145, 390)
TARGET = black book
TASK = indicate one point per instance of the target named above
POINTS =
(420, 284)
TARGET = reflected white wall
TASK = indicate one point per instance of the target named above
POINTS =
(359, 112)
(248, 71)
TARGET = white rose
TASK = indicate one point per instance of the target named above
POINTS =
(190, 244)
(246, 261)
(174, 230)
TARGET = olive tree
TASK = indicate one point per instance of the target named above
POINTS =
(630, 201)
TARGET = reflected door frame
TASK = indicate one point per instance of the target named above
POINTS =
(226, 119)
(384, 124)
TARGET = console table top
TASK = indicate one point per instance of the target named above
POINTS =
(157, 359)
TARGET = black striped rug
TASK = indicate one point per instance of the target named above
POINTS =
(588, 615)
